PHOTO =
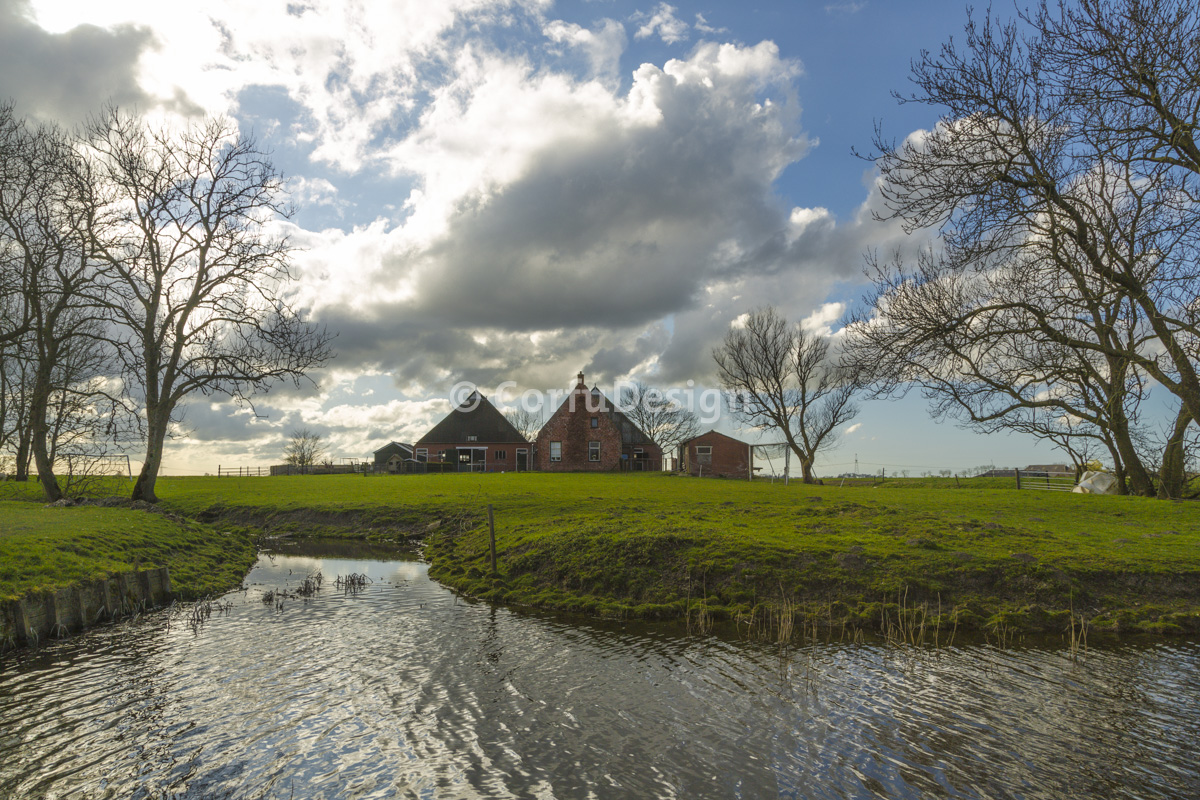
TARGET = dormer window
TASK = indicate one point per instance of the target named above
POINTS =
(472, 438)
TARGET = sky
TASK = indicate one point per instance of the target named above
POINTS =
(504, 193)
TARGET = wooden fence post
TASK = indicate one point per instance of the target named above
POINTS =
(492, 536)
(1018, 479)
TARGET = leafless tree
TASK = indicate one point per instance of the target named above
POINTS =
(304, 448)
(525, 421)
(784, 381)
(200, 269)
(1007, 345)
(660, 416)
(57, 347)
(1062, 178)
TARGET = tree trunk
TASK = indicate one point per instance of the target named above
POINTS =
(1140, 482)
(156, 434)
(39, 431)
(24, 454)
(1172, 476)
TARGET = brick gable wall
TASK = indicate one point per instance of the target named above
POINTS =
(571, 424)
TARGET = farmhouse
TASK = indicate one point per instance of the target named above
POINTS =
(475, 437)
(587, 434)
(391, 457)
(715, 455)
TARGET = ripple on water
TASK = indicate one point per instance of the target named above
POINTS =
(404, 690)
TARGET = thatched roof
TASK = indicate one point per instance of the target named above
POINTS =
(475, 417)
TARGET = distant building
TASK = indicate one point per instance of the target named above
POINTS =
(715, 455)
(392, 456)
(588, 434)
(475, 437)
(1049, 470)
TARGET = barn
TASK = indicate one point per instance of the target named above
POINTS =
(715, 455)
(475, 437)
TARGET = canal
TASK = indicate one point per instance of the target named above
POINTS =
(398, 688)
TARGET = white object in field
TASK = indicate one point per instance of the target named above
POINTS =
(1097, 483)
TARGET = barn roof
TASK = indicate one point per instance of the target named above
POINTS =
(714, 432)
(475, 417)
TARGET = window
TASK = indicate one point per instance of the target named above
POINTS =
(556, 451)
(472, 438)
(704, 454)
(501, 455)
(593, 451)
(595, 422)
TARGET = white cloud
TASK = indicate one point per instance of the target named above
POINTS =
(822, 320)
(845, 7)
(703, 26)
(662, 21)
(602, 45)
(853, 428)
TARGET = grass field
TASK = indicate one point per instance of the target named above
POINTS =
(652, 545)
(46, 548)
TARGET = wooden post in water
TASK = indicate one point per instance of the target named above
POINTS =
(492, 536)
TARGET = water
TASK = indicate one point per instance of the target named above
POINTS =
(403, 690)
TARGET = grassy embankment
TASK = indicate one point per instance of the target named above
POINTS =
(976, 555)
(46, 548)
(982, 556)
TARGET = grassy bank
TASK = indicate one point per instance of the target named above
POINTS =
(976, 554)
(46, 548)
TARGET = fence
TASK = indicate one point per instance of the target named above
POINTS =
(1045, 481)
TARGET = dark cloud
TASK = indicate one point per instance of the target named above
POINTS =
(69, 75)
(625, 227)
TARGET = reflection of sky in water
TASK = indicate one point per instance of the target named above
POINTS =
(406, 690)
(290, 569)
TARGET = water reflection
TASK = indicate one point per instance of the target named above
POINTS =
(404, 690)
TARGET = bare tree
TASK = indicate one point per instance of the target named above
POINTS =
(665, 420)
(57, 347)
(525, 421)
(201, 272)
(1007, 346)
(1062, 178)
(304, 448)
(784, 381)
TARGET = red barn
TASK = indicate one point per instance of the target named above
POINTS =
(715, 455)
(588, 434)
(475, 437)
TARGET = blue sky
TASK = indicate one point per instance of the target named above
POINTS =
(515, 190)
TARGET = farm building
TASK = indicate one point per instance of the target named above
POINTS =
(715, 455)
(475, 437)
(392, 456)
(588, 434)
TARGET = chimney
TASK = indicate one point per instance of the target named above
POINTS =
(580, 376)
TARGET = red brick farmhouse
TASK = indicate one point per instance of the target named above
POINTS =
(475, 437)
(715, 455)
(588, 434)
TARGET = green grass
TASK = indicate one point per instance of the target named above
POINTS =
(46, 548)
(975, 551)
(656, 545)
